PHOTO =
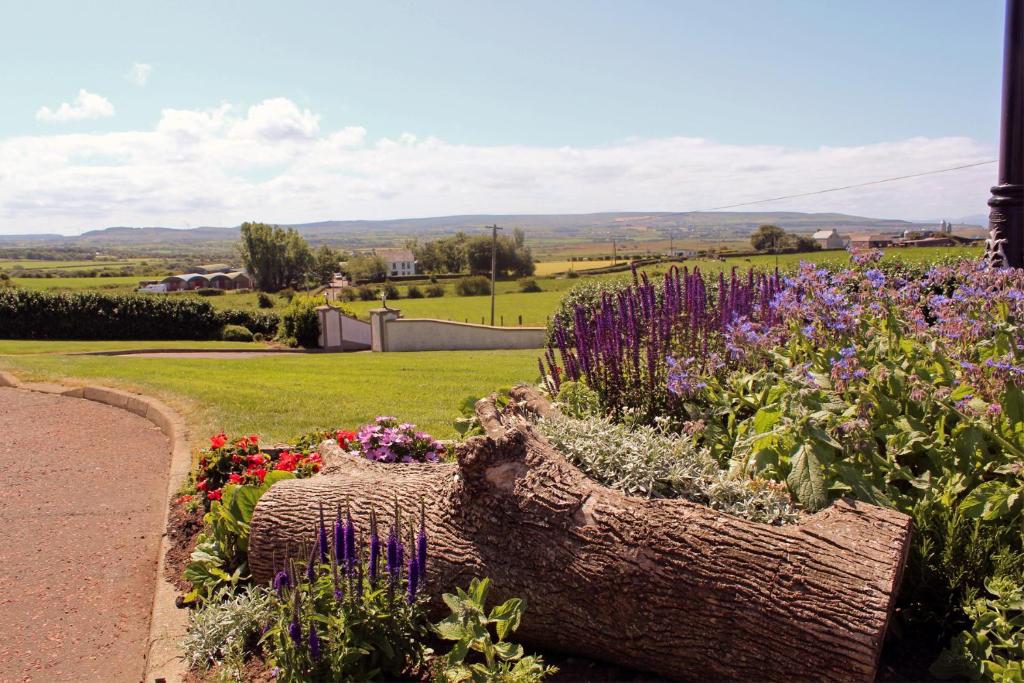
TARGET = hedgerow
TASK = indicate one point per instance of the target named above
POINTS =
(27, 314)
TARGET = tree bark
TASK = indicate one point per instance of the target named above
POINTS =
(666, 586)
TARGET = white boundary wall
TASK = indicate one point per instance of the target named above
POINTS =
(393, 333)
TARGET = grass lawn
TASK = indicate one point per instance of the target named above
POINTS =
(545, 268)
(533, 307)
(122, 282)
(18, 347)
(282, 396)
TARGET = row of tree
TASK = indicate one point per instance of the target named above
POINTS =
(462, 253)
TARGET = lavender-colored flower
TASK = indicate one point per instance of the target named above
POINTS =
(314, 642)
(421, 549)
(322, 538)
(374, 550)
(414, 579)
(295, 631)
(350, 543)
(281, 581)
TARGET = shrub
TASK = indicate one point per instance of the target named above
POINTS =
(258, 337)
(435, 290)
(209, 291)
(366, 293)
(391, 291)
(287, 294)
(301, 321)
(236, 333)
(572, 275)
(649, 462)
(227, 627)
(347, 294)
(476, 285)
(414, 292)
(264, 300)
(257, 322)
(528, 284)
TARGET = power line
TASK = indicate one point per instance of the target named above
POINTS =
(837, 189)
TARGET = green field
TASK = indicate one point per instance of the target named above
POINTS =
(125, 283)
(282, 396)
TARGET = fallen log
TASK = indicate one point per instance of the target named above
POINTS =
(666, 586)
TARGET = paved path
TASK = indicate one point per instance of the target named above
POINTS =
(82, 489)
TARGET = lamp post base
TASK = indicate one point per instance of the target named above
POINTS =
(1004, 247)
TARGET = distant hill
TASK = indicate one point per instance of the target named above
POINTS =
(715, 225)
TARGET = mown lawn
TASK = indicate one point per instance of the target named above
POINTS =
(283, 396)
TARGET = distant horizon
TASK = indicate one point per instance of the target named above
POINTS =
(982, 220)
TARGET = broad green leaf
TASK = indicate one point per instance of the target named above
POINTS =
(458, 653)
(509, 650)
(507, 615)
(805, 480)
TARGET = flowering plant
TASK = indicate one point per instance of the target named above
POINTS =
(240, 462)
(387, 440)
(352, 611)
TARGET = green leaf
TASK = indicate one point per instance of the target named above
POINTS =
(450, 629)
(989, 501)
(275, 476)
(478, 591)
(509, 650)
(507, 615)
(805, 479)
(458, 653)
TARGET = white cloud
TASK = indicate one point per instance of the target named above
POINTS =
(139, 73)
(219, 167)
(86, 106)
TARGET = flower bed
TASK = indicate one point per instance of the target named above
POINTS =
(895, 387)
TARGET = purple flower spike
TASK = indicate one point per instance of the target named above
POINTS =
(322, 538)
(295, 631)
(339, 536)
(414, 579)
(282, 581)
(350, 544)
(374, 550)
(314, 643)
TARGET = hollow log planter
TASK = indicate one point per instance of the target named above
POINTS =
(666, 586)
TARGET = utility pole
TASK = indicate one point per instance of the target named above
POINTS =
(614, 251)
(671, 242)
(1005, 246)
(494, 264)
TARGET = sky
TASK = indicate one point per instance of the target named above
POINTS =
(194, 113)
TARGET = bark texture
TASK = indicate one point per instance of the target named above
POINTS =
(666, 586)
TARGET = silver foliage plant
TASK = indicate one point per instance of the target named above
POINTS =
(649, 462)
(220, 630)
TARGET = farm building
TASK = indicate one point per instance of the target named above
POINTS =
(870, 241)
(232, 280)
(399, 261)
(191, 281)
(829, 239)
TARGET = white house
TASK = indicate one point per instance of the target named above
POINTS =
(398, 261)
(829, 239)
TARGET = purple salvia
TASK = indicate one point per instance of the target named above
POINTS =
(350, 543)
(311, 565)
(414, 579)
(314, 642)
(374, 549)
(339, 535)
(421, 542)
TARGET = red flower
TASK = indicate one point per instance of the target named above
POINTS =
(242, 443)
(218, 441)
(201, 485)
(256, 459)
(261, 474)
(236, 459)
(254, 438)
(235, 478)
(183, 499)
(214, 495)
(345, 439)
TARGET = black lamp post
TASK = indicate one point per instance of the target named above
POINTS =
(1005, 246)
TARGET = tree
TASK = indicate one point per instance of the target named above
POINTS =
(799, 243)
(512, 259)
(367, 268)
(275, 258)
(767, 238)
(325, 264)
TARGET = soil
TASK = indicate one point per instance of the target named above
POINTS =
(182, 528)
(81, 516)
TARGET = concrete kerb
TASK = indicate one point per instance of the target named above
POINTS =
(167, 624)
